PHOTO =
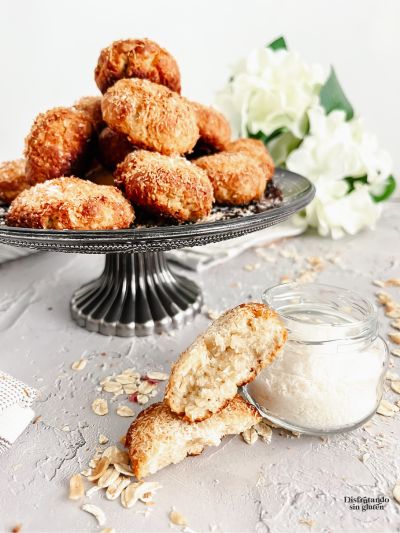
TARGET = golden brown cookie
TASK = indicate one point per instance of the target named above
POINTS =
(12, 179)
(113, 147)
(158, 438)
(151, 116)
(137, 58)
(214, 129)
(237, 179)
(59, 144)
(71, 203)
(92, 106)
(255, 149)
(165, 186)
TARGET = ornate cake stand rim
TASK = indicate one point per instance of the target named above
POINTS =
(151, 238)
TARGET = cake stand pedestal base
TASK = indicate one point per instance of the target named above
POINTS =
(136, 295)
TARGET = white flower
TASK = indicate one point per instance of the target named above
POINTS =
(270, 90)
(335, 213)
(333, 150)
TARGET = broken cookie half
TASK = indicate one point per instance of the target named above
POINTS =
(231, 353)
(158, 437)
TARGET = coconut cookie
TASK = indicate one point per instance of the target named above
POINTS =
(235, 348)
(158, 437)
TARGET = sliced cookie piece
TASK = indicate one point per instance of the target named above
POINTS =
(234, 349)
(158, 437)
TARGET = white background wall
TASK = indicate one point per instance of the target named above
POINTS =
(49, 49)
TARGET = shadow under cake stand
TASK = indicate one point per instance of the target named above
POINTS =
(137, 293)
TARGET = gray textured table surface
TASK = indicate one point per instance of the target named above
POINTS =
(291, 484)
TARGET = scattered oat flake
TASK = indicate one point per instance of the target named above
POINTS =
(383, 297)
(395, 324)
(250, 436)
(177, 518)
(392, 376)
(125, 379)
(379, 283)
(395, 352)
(365, 456)
(79, 365)
(108, 530)
(315, 261)
(66, 429)
(395, 337)
(145, 387)
(99, 469)
(393, 282)
(76, 487)
(109, 477)
(136, 491)
(307, 522)
(396, 492)
(387, 408)
(124, 410)
(251, 266)
(93, 462)
(142, 398)
(89, 493)
(103, 439)
(100, 406)
(124, 469)
(112, 386)
(395, 386)
(264, 431)
(393, 312)
(159, 376)
(115, 455)
(114, 490)
(130, 388)
(96, 512)
(306, 276)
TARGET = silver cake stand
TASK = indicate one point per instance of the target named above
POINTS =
(137, 293)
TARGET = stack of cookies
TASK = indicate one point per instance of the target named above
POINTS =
(156, 151)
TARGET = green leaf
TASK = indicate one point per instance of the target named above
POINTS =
(280, 143)
(266, 138)
(352, 182)
(278, 44)
(387, 191)
(332, 96)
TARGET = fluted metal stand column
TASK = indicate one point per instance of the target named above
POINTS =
(137, 294)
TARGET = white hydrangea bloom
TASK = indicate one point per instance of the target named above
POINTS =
(332, 150)
(270, 90)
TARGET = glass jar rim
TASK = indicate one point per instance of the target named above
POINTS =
(367, 324)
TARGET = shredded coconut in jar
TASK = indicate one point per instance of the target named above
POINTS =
(322, 390)
(329, 376)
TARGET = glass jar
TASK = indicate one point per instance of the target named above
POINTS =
(329, 376)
